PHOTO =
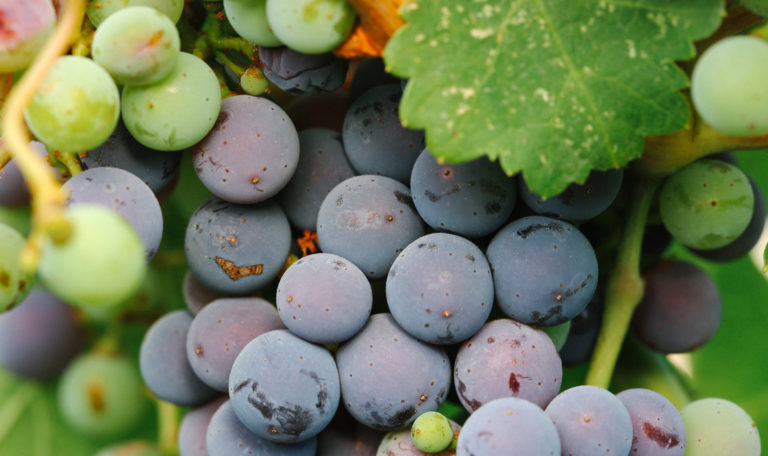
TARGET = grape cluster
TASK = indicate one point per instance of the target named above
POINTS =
(344, 285)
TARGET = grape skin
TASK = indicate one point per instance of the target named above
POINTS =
(400, 443)
(507, 359)
(194, 427)
(14, 282)
(196, 296)
(347, 436)
(657, 425)
(303, 74)
(98, 11)
(283, 388)
(249, 20)
(716, 427)
(309, 26)
(221, 330)
(25, 27)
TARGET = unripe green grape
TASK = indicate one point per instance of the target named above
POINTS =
(102, 263)
(14, 282)
(101, 395)
(253, 82)
(26, 25)
(76, 107)
(432, 432)
(99, 10)
(707, 204)
(176, 112)
(729, 86)
(311, 26)
(717, 427)
(135, 448)
(249, 19)
(137, 45)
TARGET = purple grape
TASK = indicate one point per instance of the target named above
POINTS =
(507, 359)
(221, 330)
(125, 194)
(590, 421)
(657, 425)
(196, 296)
(283, 388)
(472, 199)
(322, 165)
(303, 74)
(681, 308)
(509, 426)
(39, 337)
(227, 436)
(388, 377)
(324, 298)
(579, 201)
(234, 249)
(348, 437)
(375, 140)
(440, 289)
(250, 154)
(164, 365)
(368, 220)
(544, 270)
(194, 426)
(13, 187)
(156, 168)
(369, 73)
(582, 336)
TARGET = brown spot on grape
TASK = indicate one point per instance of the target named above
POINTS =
(96, 396)
(661, 437)
(238, 272)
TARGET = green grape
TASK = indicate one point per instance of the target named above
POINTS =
(729, 86)
(14, 283)
(176, 112)
(102, 262)
(717, 427)
(101, 395)
(134, 448)
(76, 107)
(25, 27)
(311, 26)
(249, 19)
(253, 82)
(137, 45)
(432, 432)
(707, 204)
(99, 10)
(558, 333)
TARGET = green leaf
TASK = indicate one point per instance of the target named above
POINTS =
(759, 7)
(30, 424)
(554, 88)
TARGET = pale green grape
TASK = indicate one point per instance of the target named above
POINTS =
(76, 107)
(707, 204)
(249, 19)
(311, 26)
(102, 262)
(432, 432)
(558, 333)
(717, 427)
(137, 45)
(25, 27)
(14, 283)
(729, 86)
(176, 112)
(98, 10)
(253, 82)
(101, 395)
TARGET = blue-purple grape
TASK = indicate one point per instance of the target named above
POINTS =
(657, 425)
(507, 359)
(235, 249)
(681, 307)
(196, 296)
(544, 270)
(440, 288)
(388, 377)
(38, 337)
(369, 73)
(582, 335)
(509, 426)
(250, 153)
(303, 74)
(221, 330)
(194, 427)
(368, 220)
(347, 436)
(283, 388)
(125, 194)
(375, 140)
(322, 165)
(472, 199)
(164, 364)
(591, 420)
(227, 436)
(324, 298)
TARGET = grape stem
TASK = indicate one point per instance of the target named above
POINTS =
(47, 196)
(168, 418)
(625, 286)
(70, 162)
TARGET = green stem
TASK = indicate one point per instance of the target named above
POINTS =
(224, 58)
(625, 286)
(168, 417)
(70, 161)
(230, 43)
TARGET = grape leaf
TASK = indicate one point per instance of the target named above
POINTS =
(554, 88)
(759, 7)
(30, 424)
